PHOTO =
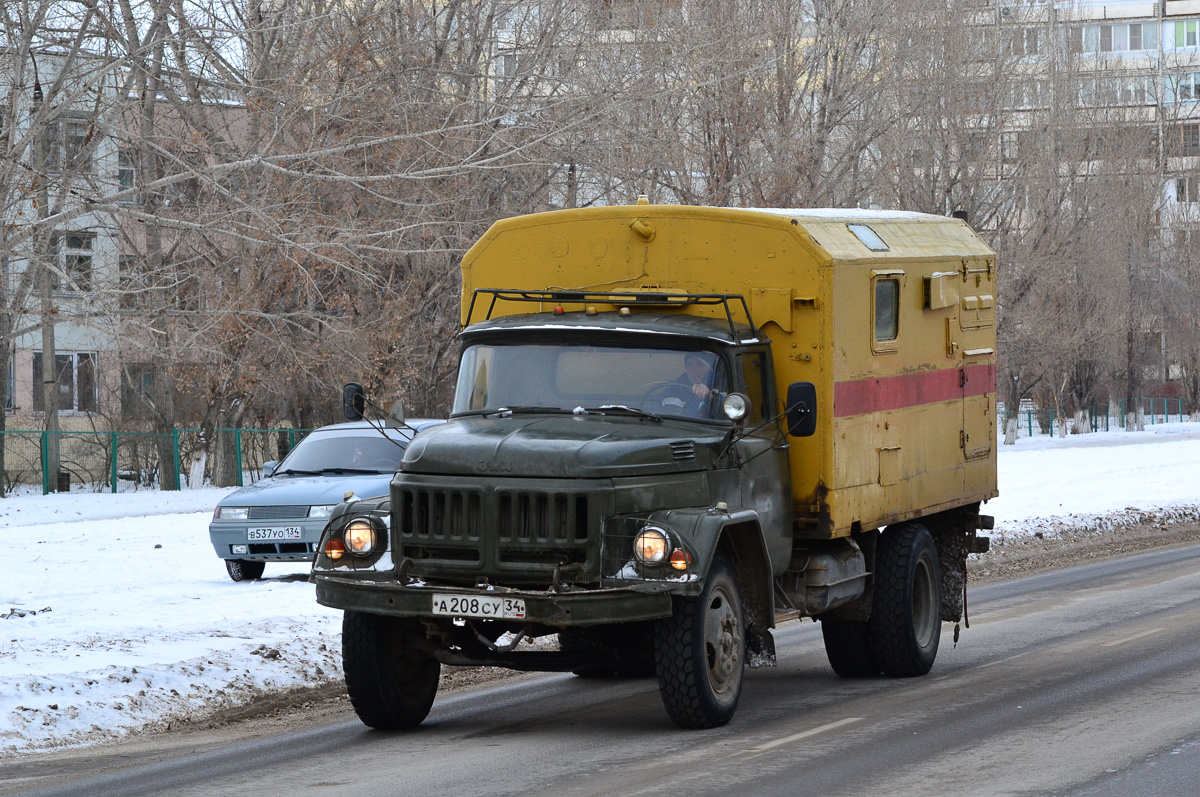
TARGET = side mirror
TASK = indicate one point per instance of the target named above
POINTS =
(269, 468)
(802, 409)
(354, 401)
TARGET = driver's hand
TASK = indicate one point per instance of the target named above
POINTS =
(700, 391)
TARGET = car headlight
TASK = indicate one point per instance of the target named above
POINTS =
(736, 406)
(652, 545)
(360, 537)
(320, 511)
(231, 513)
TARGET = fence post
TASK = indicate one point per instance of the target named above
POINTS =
(237, 447)
(175, 455)
(45, 464)
(1029, 421)
(114, 461)
(292, 432)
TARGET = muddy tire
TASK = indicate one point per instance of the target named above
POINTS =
(243, 570)
(700, 653)
(848, 647)
(391, 685)
(906, 612)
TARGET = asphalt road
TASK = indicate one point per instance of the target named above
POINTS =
(1082, 683)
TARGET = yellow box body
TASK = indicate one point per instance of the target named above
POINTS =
(906, 427)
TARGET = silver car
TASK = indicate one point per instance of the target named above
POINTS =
(280, 517)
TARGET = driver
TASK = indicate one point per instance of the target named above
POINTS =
(697, 379)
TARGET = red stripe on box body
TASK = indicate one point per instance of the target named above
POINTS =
(878, 394)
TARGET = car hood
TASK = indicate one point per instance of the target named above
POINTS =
(285, 490)
(557, 446)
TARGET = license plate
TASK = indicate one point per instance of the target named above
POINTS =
(479, 606)
(276, 533)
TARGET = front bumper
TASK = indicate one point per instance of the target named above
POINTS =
(643, 601)
(224, 536)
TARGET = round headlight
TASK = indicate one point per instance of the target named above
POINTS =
(651, 545)
(359, 537)
(736, 406)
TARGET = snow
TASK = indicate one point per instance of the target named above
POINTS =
(116, 615)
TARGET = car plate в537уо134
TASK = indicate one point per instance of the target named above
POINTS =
(476, 606)
(277, 533)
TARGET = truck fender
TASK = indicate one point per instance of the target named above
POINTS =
(737, 536)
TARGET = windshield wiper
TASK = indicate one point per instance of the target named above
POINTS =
(606, 408)
(294, 472)
(323, 471)
(506, 411)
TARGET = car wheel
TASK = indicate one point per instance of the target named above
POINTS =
(244, 570)
(906, 610)
(390, 683)
(700, 653)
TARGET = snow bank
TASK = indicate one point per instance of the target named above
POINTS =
(118, 615)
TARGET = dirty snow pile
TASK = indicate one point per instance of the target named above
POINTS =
(116, 614)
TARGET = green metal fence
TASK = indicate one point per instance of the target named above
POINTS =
(115, 459)
(1102, 417)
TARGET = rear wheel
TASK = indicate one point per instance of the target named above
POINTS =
(244, 570)
(906, 611)
(390, 683)
(700, 653)
(848, 646)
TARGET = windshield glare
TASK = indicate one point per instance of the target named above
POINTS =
(688, 384)
(370, 451)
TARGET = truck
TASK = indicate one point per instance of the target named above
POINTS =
(674, 427)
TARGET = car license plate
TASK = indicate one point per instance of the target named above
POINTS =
(479, 606)
(275, 533)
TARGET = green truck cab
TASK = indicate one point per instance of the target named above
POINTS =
(613, 493)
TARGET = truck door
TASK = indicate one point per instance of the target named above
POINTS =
(977, 321)
(766, 483)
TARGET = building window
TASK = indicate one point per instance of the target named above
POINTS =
(137, 390)
(77, 383)
(1187, 33)
(1187, 188)
(71, 252)
(70, 146)
(126, 173)
(1119, 38)
(1186, 86)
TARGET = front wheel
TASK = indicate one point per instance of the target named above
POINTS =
(906, 611)
(700, 653)
(244, 570)
(390, 683)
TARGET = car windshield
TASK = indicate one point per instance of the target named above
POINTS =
(562, 377)
(369, 452)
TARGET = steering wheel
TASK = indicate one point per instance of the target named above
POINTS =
(657, 393)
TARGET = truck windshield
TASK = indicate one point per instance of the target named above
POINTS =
(689, 384)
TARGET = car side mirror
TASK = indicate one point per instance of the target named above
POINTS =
(801, 409)
(269, 468)
(354, 401)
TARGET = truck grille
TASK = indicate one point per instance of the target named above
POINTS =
(513, 535)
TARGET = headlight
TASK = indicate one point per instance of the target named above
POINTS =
(230, 513)
(359, 537)
(320, 511)
(651, 546)
(736, 406)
